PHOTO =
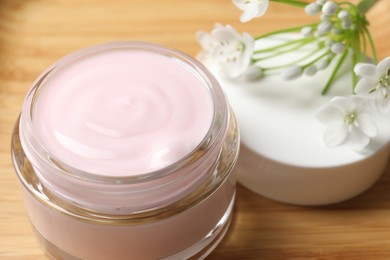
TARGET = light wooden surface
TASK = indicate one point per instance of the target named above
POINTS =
(35, 33)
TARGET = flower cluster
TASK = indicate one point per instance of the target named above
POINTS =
(349, 119)
(340, 34)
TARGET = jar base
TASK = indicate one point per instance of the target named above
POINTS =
(206, 245)
(200, 250)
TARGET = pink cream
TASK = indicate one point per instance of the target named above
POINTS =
(123, 112)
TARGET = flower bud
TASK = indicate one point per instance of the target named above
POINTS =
(324, 17)
(331, 56)
(337, 48)
(337, 31)
(324, 27)
(322, 64)
(330, 8)
(346, 24)
(307, 31)
(329, 42)
(292, 72)
(343, 14)
(312, 9)
(310, 71)
(252, 73)
(321, 2)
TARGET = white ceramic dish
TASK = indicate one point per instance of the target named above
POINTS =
(283, 156)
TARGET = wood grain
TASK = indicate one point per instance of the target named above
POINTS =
(35, 33)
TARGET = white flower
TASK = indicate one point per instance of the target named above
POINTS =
(349, 122)
(251, 8)
(206, 42)
(233, 51)
(227, 49)
(292, 72)
(375, 82)
(312, 9)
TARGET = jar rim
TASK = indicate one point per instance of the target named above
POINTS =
(214, 134)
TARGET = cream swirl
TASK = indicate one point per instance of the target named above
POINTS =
(123, 112)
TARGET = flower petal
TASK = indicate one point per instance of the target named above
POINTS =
(240, 4)
(365, 85)
(344, 104)
(382, 67)
(262, 7)
(382, 103)
(248, 15)
(233, 32)
(357, 140)
(366, 125)
(223, 34)
(329, 114)
(234, 69)
(362, 106)
(336, 134)
(202, 56)
(251, 8)
(249, 43)
(365, 70)
(205, 40)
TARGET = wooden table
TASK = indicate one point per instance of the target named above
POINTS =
(35, 33)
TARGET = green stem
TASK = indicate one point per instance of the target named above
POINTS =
(355, 59)
(302, 40)
(364, 41)
(334, 73)
(316, 59)
(365, 5)
(298, 60)
(371, 41)
(347, 3)
(280, 52)
(292, 29)
(291, 2)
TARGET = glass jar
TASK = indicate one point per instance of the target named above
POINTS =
(179, 211)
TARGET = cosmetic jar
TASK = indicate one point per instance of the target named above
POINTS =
(127, 151)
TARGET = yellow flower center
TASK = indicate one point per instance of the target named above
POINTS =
(350, 118)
